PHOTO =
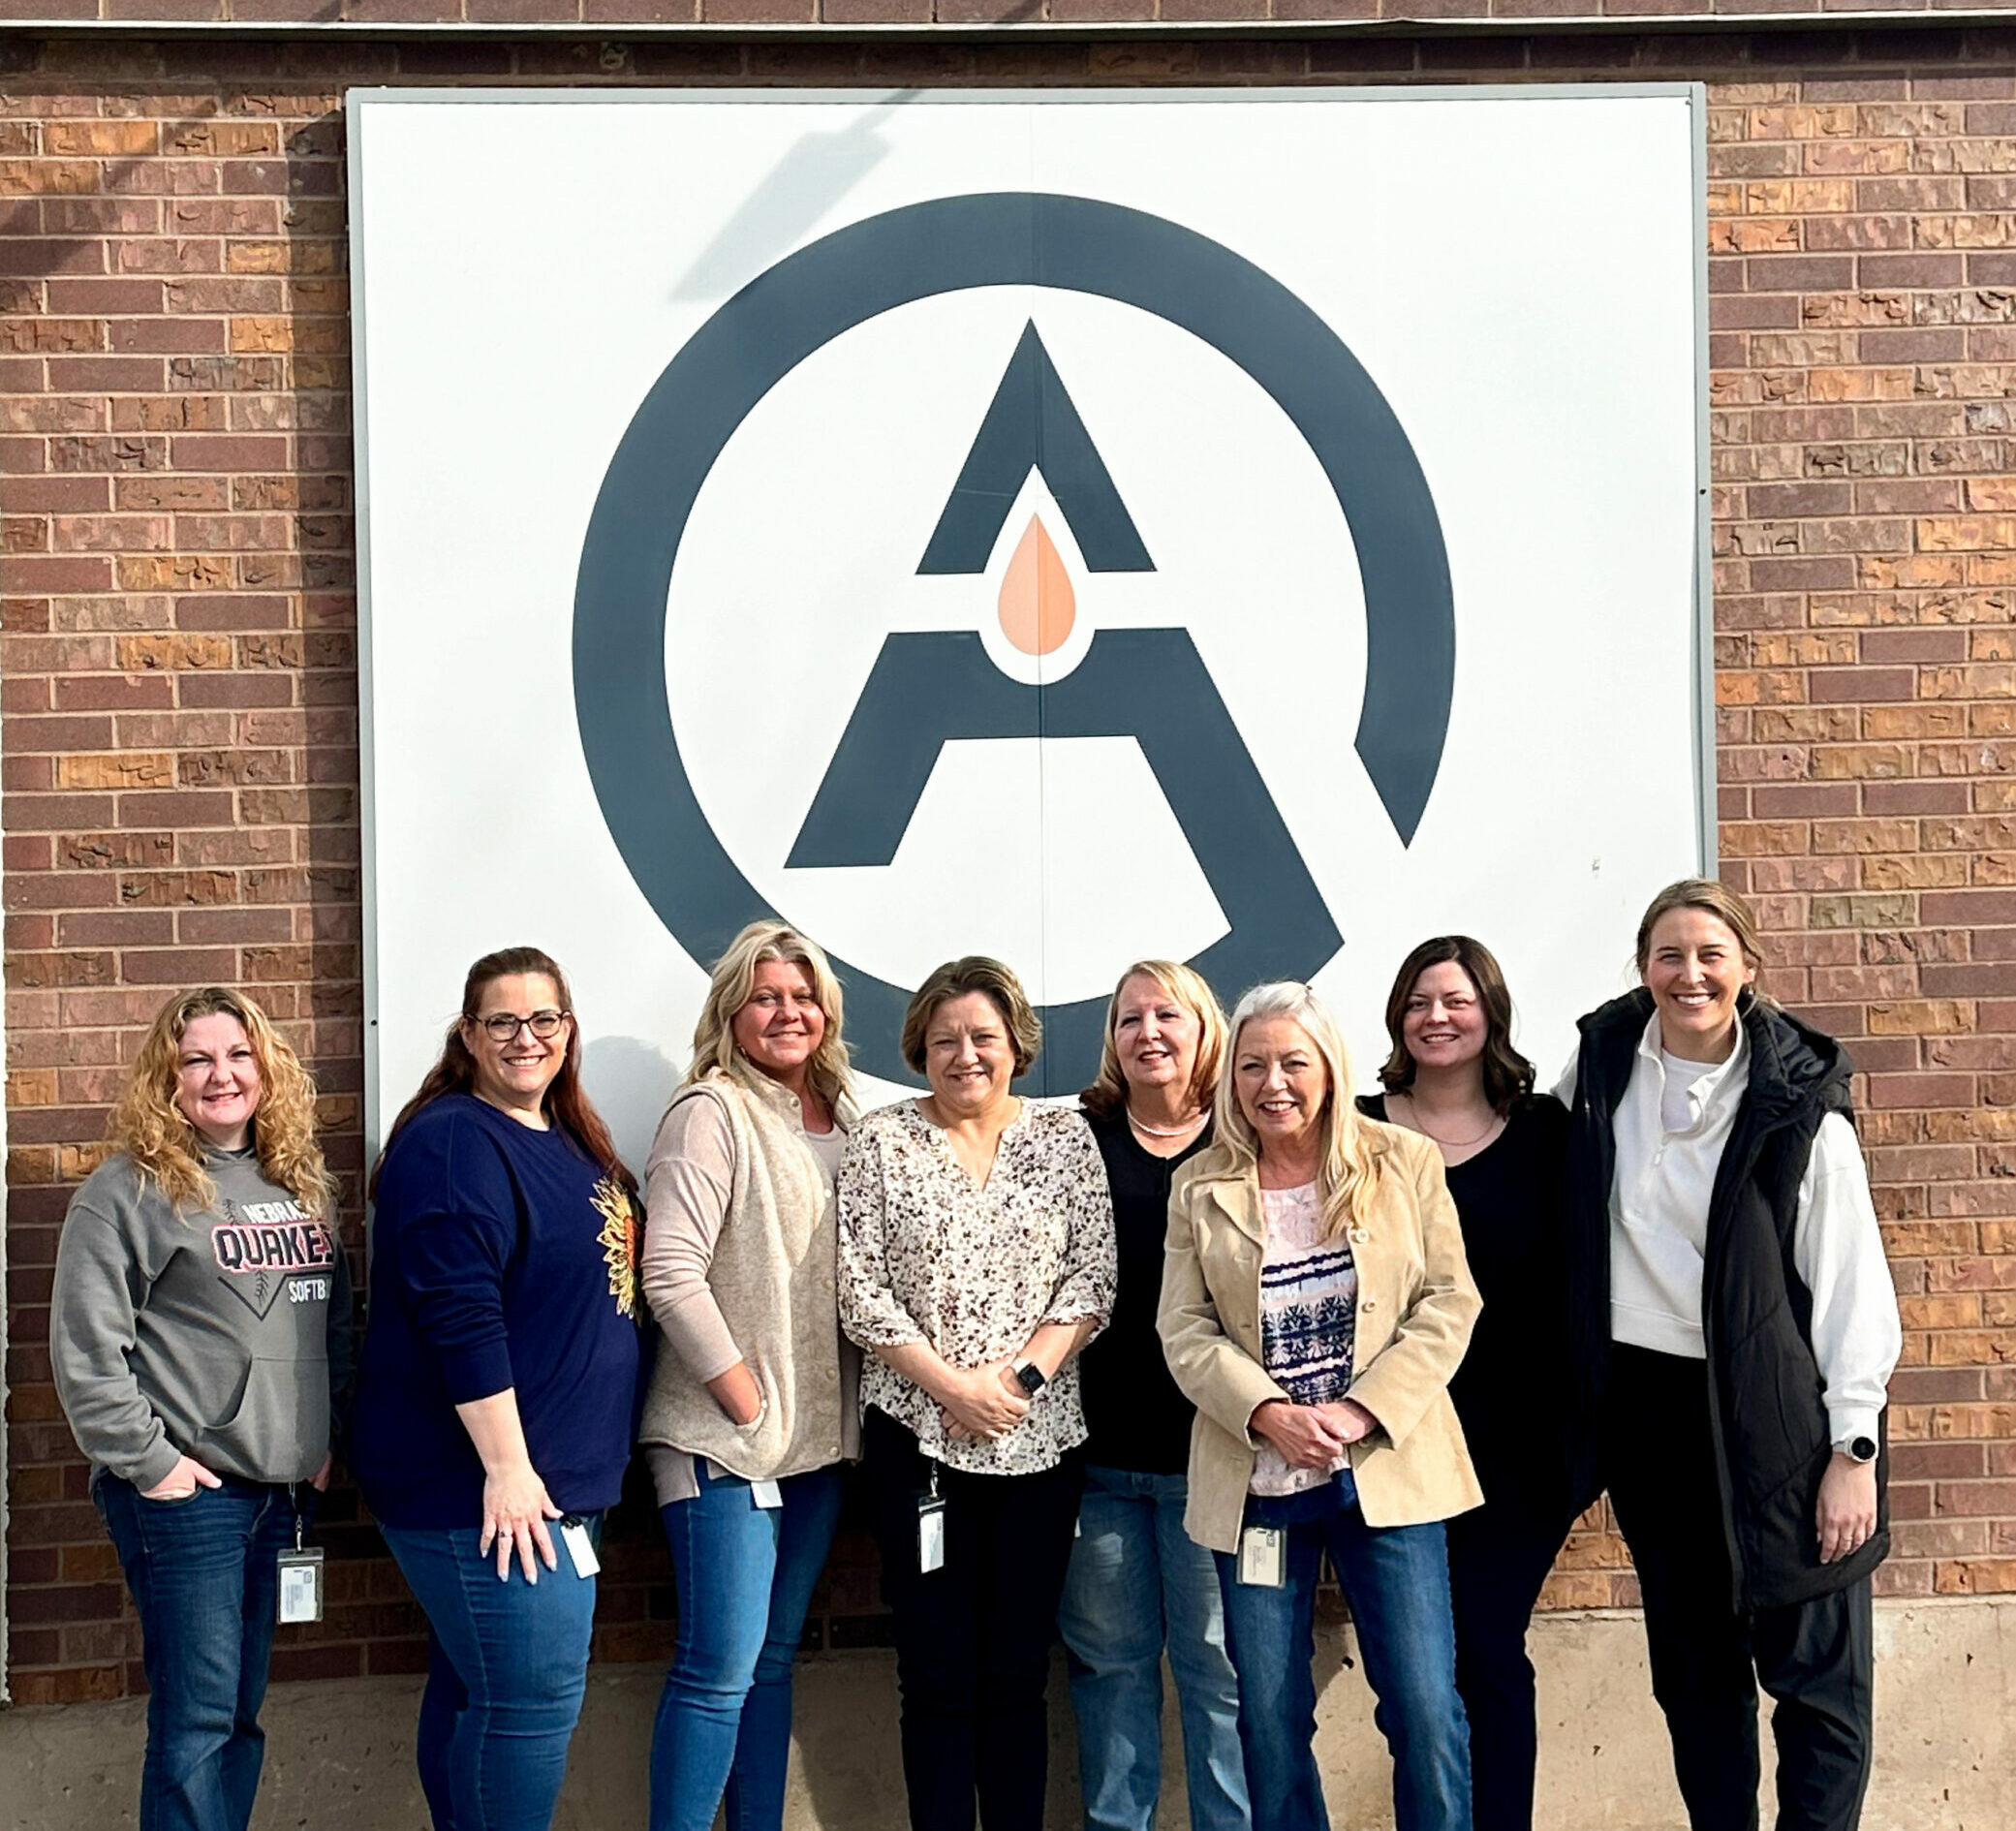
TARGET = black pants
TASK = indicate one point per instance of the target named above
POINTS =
(1816, 1658)
(1500, 1555)
(972, 1639)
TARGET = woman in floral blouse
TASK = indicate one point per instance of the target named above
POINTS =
(976, 1258)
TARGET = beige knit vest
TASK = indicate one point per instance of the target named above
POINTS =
(773, 1276)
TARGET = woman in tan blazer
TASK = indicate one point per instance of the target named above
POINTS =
(1315, 1303)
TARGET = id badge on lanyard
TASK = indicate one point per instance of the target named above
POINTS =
(301, 1577)
(1263, 1563)
(931, 1528)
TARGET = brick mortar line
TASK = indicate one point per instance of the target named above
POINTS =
(1509, 26)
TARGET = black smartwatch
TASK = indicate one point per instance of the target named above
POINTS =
(1030, 1378)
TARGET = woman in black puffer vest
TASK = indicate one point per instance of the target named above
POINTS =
(1734, 1329)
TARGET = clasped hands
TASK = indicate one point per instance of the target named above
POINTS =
(1313, 1436)
(982, 1403)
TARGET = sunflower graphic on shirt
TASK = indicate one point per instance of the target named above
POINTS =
(619, 1242)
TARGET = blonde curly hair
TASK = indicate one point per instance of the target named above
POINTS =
(168, 1151)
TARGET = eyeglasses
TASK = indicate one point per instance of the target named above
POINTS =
(503, 1027)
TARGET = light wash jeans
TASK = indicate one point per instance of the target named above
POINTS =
(745, 1575)
(1397, 1581)
(1139, 1582)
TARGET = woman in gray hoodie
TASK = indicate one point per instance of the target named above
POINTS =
(200, 1333)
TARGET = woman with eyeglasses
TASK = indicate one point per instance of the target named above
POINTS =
(498, 1387)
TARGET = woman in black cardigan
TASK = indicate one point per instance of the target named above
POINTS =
(1454, 1077)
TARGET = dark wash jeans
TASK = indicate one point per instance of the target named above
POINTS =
(506, 1666)
(1397, 1580)
(204, 1578)
(972, 1639)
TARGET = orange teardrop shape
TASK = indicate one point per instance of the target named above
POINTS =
(1038, 605)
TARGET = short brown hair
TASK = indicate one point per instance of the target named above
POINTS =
(974, 972)
(1716, 900)
(1508, 1074)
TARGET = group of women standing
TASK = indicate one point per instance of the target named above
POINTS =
(1129, 1372)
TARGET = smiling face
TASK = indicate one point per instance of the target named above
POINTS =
(513, 1073)
(780, 1026)
(969, 1056)
(1443, 1024)
(1694, 967)
(1154, 1038)
(217, 1080)
(1278, 1077)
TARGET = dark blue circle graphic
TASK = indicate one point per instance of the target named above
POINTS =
(919, 251)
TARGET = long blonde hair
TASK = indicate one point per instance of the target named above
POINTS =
(168, 1151)
(1107, 1094)
(1349, 1158)
(728, 991)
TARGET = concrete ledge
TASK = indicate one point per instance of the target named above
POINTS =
(341, 1753)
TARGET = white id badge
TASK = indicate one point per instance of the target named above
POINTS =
(930, 1535)
(300, 1585)
(765, 1494)
(573, 1534)
(1263, 1563)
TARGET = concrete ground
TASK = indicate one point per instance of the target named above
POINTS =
(339, 1754)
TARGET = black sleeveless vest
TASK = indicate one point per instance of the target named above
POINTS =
(1767, 1418)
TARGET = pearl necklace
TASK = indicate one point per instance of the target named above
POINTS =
(1164, 1132)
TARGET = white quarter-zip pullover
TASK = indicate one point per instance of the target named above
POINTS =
(1670, 1129)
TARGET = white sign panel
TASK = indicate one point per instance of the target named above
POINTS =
(1257, 528)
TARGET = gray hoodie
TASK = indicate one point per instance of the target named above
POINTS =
(222, 1335)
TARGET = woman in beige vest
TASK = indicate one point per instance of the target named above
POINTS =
(752, 1404)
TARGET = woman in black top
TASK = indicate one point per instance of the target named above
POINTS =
(1454, 1077)
(1137, 1582)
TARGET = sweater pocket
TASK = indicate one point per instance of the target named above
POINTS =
(279, 1429)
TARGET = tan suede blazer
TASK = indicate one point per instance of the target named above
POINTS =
(1417, 1307)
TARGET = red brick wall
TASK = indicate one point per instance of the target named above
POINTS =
(178, 694)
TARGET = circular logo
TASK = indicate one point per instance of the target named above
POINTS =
(929, 687)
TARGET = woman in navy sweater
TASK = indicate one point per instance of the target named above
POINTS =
(498, 1386)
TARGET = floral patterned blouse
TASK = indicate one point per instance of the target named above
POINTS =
(926, 1253)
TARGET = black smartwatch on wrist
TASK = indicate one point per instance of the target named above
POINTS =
(1030, 1378)
(1859, 1449)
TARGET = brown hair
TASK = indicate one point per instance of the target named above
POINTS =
(1716, 900)
(1508, 1074)
(974, 972)
(1106, 1097)
(567, 1102)
(168, 1151)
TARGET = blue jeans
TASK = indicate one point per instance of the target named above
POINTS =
(1138, 1581)
(1397, 1581)
(506, 1665)
(204, 1581)
(745, 1575)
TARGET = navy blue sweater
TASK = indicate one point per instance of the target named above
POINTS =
(501, 1258)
